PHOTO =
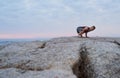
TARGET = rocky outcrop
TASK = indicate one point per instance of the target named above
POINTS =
(65, 57)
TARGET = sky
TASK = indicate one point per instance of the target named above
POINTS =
(57, 18)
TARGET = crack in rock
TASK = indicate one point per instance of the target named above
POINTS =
(23, 66)
(116, 42)
(83, 68)
(43, 45)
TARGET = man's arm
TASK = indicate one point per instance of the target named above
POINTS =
(86, 35)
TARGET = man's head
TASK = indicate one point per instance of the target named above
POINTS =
(92, 28)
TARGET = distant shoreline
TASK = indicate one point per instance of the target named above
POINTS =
(42, 39)
(9, 41)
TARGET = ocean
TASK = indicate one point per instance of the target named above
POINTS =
(9, 41)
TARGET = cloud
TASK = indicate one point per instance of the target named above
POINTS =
(29, 4)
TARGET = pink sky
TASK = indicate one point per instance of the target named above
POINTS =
(7, 36)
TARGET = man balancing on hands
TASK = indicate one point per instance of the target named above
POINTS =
(84, 29)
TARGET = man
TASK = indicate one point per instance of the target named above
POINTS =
(84, 29)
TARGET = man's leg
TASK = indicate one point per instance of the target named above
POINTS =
(81, 33)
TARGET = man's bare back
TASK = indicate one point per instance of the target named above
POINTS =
(84, 29)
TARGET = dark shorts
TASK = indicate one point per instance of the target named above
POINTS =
(79, 29)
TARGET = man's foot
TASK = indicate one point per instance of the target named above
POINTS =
(79, 36)
(87, 37)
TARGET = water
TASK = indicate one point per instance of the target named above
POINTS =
(9, 41)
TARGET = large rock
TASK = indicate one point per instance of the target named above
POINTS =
(65, 57)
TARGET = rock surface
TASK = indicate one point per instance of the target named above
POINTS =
(65, 57)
